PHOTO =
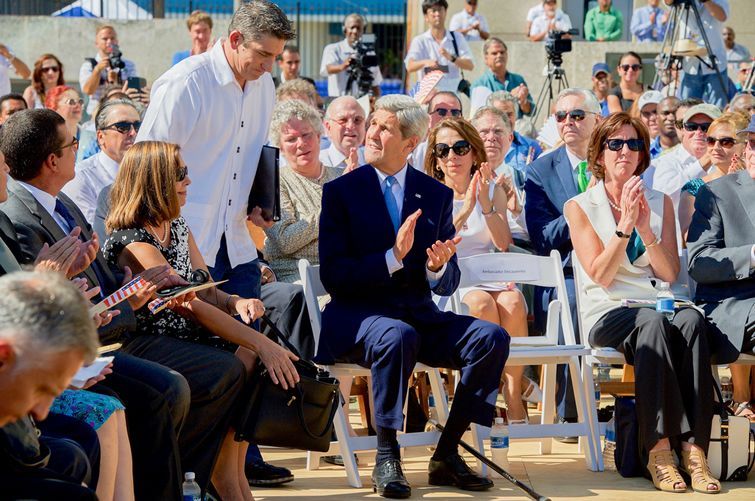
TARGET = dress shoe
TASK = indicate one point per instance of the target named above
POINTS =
(454, 471)
(262, 474)
(566, 440)
(389, 481)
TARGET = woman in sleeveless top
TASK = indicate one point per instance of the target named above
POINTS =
(625, 236)
(456, 157)
(621, 97)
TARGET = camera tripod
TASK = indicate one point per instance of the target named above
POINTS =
(557, 73)
(671, 57)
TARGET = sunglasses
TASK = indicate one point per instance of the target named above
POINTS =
(618, 144)
(576, 115)
(443, 112)
(74, 102)
(47, 69)
(692, 127)
(726, 142)
(648, 114)
(183, 171)
(633, 67)
(124, 127)
(460, 148)
(73, 144)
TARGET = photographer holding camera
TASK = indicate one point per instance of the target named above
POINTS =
(107, 67)
(339, 57)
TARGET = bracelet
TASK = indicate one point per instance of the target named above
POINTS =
(227, 301)
(656, 241)
(490, 212)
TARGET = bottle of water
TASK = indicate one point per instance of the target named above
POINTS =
(610, 447)
(190, 489)
(727, 389)
(597, 393)
(604, 373)
(432, 411)
(664, 301)
(499, 445)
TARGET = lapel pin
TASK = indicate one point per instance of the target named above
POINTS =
(418, 195)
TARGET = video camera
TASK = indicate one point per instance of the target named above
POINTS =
(361, 64)
(556, 45)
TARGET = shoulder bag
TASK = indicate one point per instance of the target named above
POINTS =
(464, 86)
(731, 439)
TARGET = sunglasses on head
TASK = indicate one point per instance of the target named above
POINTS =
(618, 144)
(124, 127)
(46, 69)
(460, 148)
(692, 126)
(443, 112)
(726, 142)
(576, 115)
(633, 67)
(183, 171)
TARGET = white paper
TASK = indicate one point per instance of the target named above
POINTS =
(89, 371)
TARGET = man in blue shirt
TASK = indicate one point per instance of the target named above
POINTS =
(523, 150)
(497, 78)
(649, 22)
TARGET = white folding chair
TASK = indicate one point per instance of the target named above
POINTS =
(536, 350)
(346, 445)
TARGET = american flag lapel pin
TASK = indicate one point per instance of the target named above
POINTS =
(418, 195)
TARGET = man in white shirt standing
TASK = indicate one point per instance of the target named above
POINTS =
(337, 57)
(346, 127)
(9, 60)
(470, 23)
(434, 49)
(547, 19)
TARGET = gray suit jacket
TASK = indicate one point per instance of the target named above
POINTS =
(719, 242)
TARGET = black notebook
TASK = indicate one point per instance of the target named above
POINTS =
(265, 192)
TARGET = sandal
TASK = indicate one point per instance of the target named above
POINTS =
(533, 394)
(742, 409)
(664, 472)
(696, 466)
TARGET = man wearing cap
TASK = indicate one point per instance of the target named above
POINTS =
(470, 23)
(691, 159)
(721, 244)
(497, 77)
(648, 106)
(601, 83)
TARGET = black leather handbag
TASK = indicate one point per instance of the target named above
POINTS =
(298, 418)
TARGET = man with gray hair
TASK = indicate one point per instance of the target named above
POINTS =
(523, 149)
(497, 77)
(380, 264)
(346, 127)
(552, 180)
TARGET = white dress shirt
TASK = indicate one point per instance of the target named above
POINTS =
(221, 129)
(672, 171)
(338, 53)
(334, 158)
(129, 70)
(92, 175)
(48, 202)
(417, 157)
(463, 19)
(5, 67)
(542, 22)
(424, 46)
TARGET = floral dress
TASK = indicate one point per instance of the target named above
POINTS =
(92, 408)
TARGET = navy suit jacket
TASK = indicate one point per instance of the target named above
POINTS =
(355, 233)
(550, 183)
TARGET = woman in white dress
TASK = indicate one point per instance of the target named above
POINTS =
(456, 157)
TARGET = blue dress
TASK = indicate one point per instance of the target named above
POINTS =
(92, 408)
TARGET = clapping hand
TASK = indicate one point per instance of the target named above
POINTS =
(631, 194)
(737, 164)
(483, 193)
(61, 256)
(471, 195)
(441, 252)
(352, 161)
(405, 236)
(445, 53)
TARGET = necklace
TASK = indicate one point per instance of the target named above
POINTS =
(165, 233)
(613, 206)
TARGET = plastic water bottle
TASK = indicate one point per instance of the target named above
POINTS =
(664, 301)
(431, 408)
(499, 445)
(597, 393)
(604, 373)
(610, 447)
(727, 389)
(190, 489)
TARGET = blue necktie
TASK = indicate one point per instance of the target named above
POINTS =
(390, 202)
(71, 222)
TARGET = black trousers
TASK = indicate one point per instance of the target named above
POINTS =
(673, 380)
(286, 307)
(216, 378)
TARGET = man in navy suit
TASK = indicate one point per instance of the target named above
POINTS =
(386, 241)
(551, 181)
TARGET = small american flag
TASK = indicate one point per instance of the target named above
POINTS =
(157, 305)
(119, 296)
(426, 85)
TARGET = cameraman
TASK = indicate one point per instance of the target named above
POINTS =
(337, 57)
(97, 72)
(700, 79)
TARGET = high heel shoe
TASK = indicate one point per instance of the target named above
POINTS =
(696, 466)
(663, 470)
(533, 393)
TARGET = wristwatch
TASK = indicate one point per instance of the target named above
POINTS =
(621, 234)
(453, 59)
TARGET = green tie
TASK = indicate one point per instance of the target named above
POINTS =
(582, 180)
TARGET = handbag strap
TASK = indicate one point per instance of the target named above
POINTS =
(752, 457)
(328, 423)
(723, 433)
(279, 335)
(456, 49)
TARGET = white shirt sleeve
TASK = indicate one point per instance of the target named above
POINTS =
(328, 58)
(415, 52)
(752, 257)
(464, 51)
(484, 24)
(173, 112)
(434, 276)
(456, 22)
(565, 24)
(393, 264)
(84, 73)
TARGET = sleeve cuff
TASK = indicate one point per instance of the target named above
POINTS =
(752, 257)
(433, 277)
(393, 264)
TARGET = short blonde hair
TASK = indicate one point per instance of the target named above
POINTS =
(734, 119)
(144, 192)
(198, 16)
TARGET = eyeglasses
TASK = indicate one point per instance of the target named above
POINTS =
(633, 67)
(576, 115)
(47, 69)
(460, 148)
(618, 144)
(183, 171)
(692, 126)
(443, 112)
(649, 114)
(74, 144)
(124, 127)
(73, 102)
(726, 142)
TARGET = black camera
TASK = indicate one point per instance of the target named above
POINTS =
(116, 58)
(361, 64)
(556, 45)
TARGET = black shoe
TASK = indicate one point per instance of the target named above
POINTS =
(566, 440)
(454, 471)
(337, 459)
(389, 481)
(262, 474)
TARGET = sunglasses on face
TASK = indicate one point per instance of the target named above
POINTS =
(576, 115)
(726, 142)
(183, 171)
(46, 69)
(692, 127)
(633, 67)
(443, 112)
(618, 144)
(73, 102)
(460, 148)
(124, 127)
